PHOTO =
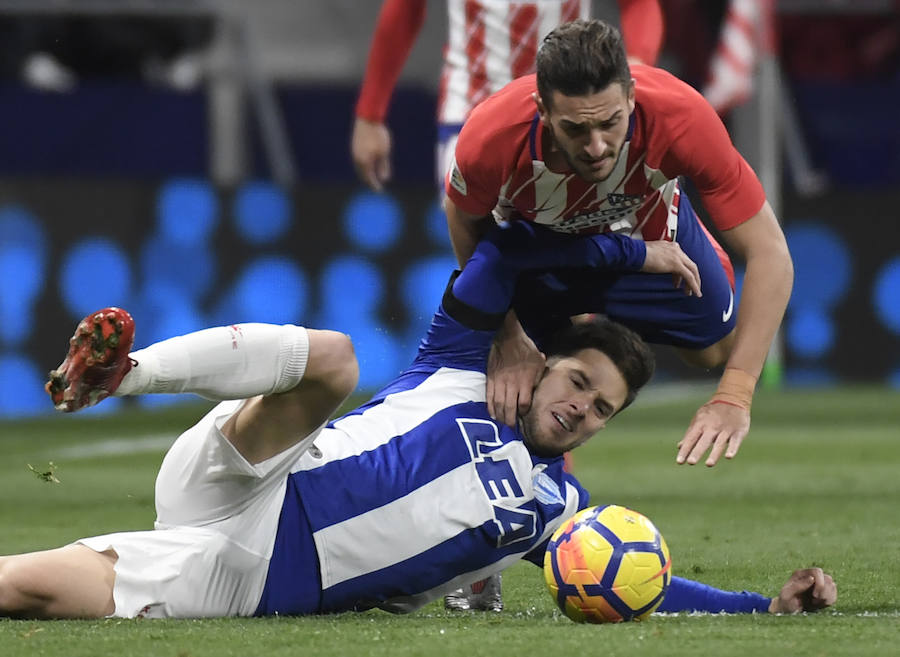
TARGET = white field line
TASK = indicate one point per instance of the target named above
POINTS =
(659, 395)
(113, 447)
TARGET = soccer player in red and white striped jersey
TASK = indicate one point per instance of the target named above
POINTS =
(489, 43)
(590, 145)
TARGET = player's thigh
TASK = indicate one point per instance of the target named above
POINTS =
(69, 582)
(664, 314)
(204, 478)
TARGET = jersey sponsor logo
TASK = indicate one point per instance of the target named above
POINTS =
(617, 217)
(457, 181)
(726, 314)
(498, 478)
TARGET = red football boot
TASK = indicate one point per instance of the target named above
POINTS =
(97, 360)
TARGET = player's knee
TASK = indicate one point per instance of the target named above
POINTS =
(342, 367)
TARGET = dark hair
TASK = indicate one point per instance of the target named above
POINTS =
(580, 58)
(625, 348)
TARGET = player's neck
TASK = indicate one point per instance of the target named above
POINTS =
(553, 157)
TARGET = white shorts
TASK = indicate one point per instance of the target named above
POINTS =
(217, 516)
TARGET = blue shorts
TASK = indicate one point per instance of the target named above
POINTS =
(647, 303)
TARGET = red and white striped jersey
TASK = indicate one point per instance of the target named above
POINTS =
(492, 42)
(499, 166)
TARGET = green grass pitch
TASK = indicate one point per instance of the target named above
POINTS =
(816, 483)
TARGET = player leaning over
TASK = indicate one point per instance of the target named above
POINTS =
(489, 43)
(413, 494)
(589, 145)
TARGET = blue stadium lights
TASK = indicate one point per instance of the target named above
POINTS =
(423, 285)
(262, 212)
(272, 289)
(94, 273)
(822, 265)
(187, 211)
(886, 297)
(21, 387)
(22, 260)
(810, 333)
(373, 222)
(350, 287)
(191, 268)
(436, 226)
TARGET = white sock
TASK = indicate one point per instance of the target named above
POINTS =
(226, 362)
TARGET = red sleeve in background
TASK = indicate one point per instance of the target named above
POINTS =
(642, 29)
(396, 29)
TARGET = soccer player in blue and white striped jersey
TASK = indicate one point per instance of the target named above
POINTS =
(263, 507)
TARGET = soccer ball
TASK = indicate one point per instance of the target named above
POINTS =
(607, 564)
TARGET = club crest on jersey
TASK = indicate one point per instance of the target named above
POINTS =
(545, 489)
(457, 181)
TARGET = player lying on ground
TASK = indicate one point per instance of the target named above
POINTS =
(261, 510)
(589, 145)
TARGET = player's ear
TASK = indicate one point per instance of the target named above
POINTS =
(629, 95)
(541, 108)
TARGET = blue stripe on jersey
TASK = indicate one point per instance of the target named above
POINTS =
(390, 471)
(293, 585)
(468, 551)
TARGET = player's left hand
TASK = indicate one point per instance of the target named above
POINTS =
(514, 366)
(809, 589)
(716, 428)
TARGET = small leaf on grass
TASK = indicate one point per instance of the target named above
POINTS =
(48, 474)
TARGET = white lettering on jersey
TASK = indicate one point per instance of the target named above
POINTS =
(498, 477)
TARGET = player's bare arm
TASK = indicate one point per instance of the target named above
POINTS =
(268, 425)
(721, 425)
(370, 146)
(466, 230)
(396, 28)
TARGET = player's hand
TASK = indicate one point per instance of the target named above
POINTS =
(514, 366)
(809, 589)
(716, 428)
(667, 258)
(371, 150)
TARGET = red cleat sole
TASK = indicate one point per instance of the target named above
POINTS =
(96, 363)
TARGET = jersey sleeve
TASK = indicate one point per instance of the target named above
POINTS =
(398, 24)
(688, 595)
(476, 300)
(477, 173)
(642, 29)
(700, 149)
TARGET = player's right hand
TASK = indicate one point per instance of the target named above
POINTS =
(665, 257)
(370, 146)
(809, 589)
(514, 366)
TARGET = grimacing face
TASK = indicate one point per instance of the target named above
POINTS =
(575, 398)
(588, 131)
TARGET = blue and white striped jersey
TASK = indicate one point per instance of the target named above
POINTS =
(419, 491)
(422, 493)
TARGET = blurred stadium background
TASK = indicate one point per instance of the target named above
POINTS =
(189, 160)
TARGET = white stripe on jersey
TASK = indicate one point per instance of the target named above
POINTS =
(398, 413)
(454, 106)
(406, 604)
(438, 510)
